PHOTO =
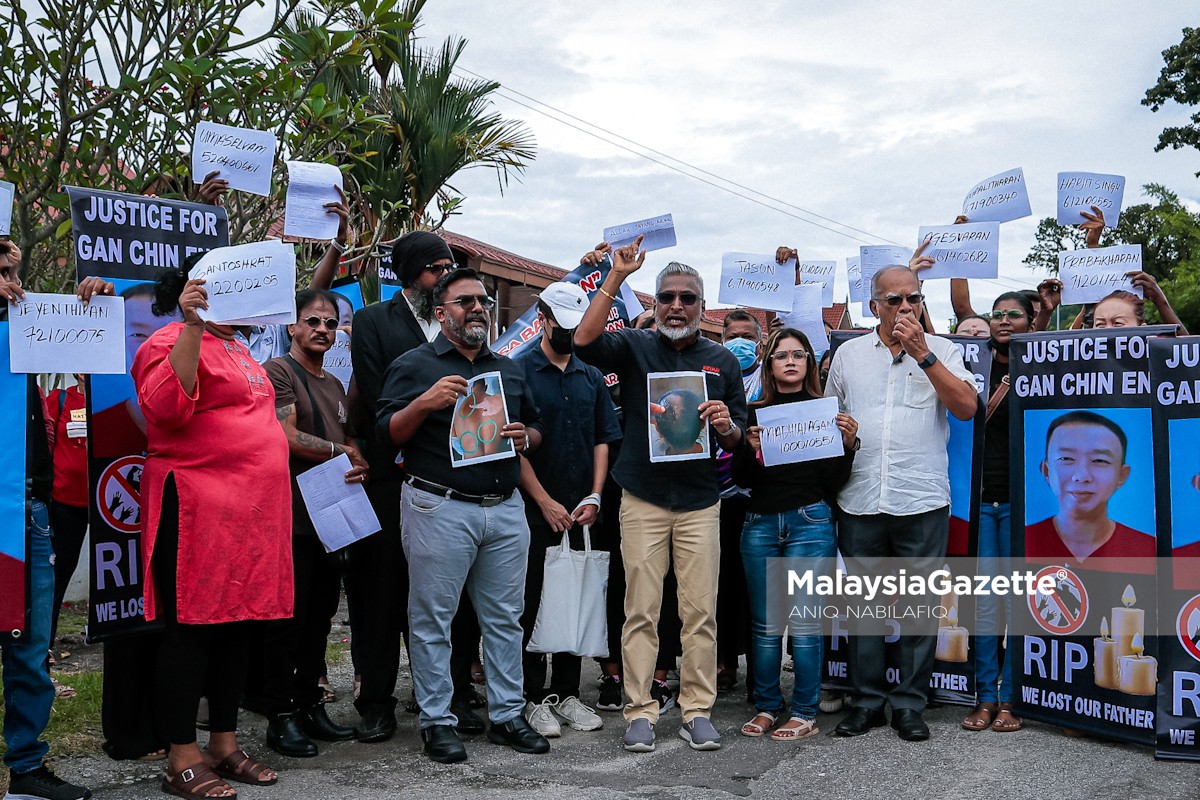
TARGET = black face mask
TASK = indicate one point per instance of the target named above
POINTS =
(1000, 347)
(562, 340)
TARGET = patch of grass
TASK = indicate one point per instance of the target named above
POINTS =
(74, 727)
(72, 619)
(336, 652)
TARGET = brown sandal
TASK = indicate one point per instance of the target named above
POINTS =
(197, 781)
(1006, 721)
(237, 766)
(980, 718)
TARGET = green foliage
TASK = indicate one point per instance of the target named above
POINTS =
(1179, 81)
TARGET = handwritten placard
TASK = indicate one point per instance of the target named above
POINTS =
(970, 250)
(244, 156)
(805, 315)
(659, 232)
(1088, 276)
(801, 431)
(821, 273)
(59, 333)
(337, 359)
(310, 187)
(1079, 191)
(756, 281)
(249, 282)
(7, 193)
(1000, 198)
(854, 277)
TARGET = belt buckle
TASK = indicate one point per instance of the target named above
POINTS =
(490, 500)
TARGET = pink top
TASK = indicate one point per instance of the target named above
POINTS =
(230, 459)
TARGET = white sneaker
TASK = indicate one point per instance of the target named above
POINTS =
(541, 718)
(581, 717)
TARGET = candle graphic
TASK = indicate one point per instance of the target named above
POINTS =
(1127, 622)
(952, 640)
(1106, 658)
(1137, 674)
(949, 604)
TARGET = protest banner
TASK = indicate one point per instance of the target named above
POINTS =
(60, 333)
(7, 192)
(350, 299)
(1000, 198)
(805, 315)
(249, 284)
(658, 233)
(310, 187)
(1082, 460)
(756, 281)
(130, 226)
(1090, 275)
(389, 281)
(970, 250)
(819, 272)
(243, 156)
(1079, 191)
(14, 392)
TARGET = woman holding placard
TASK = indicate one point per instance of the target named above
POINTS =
(216, 541)
(789, 516)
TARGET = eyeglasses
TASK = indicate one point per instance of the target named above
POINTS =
(331, 323)
(440, 269)
(467, 301)
(685, 298)
(793, 355)
(894, 300)
(1012, 313)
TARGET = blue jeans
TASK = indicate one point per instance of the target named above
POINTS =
(28, 692)
(993, 683)
(805, 533)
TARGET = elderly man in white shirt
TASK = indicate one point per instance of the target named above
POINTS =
(898, 383)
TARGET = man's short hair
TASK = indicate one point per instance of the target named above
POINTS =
(885, 270)
(306, 297)
(451, 277)
(546, 311)
(1087, 418)
(675, 268)
(740, 315)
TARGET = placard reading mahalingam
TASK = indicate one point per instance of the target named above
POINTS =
(800, 431)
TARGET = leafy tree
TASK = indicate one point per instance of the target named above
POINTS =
(1179, 81)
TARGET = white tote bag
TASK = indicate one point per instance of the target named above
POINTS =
(571, 616)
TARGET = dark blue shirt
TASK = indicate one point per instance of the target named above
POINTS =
(577, 414)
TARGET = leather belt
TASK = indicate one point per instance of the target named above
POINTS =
(485, 500)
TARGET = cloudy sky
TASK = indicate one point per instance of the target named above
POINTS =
(879, 115)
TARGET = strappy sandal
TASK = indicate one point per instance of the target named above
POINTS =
(1006, 721)
(754, 730)
(794, 729)
(980, 718)
(238, 766)
(197, 781)
(61, 689)
(327, 693)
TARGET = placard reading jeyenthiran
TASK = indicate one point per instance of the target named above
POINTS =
(1089, 276)
(478, 422)
(756, 281)
(802, 431)
(58, 333)
(821, 273)
(674, 427)
(7, 193)
(249, 281)
(1079, 191)
(243, 156)
(310, 187)
(1000, 198)
(806, 316)
(971, 250)
(340, 511)
(659, 233)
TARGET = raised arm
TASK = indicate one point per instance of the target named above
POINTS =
(322, 277)
(1154, 293)
(626, 261)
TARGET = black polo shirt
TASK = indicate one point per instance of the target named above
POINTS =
(427, 453)
(577, 414)
(632, 355)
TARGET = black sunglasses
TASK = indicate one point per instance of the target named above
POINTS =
(468, 301)
(331, 323)
(685, 298)
(440, 269)
(914, 299)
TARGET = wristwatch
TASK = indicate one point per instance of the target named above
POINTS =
(928, 361)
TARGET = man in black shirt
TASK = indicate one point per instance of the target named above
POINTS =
(464, 524)
(668, 508)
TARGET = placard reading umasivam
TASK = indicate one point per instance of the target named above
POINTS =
(59, 333)
(243, 156)
(249, 282)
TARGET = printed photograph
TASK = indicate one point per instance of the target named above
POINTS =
(479, 418)
(676, 431)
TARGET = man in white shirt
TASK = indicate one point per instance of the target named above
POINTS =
(898, 383)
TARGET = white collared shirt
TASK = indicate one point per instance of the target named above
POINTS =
(431, 328)
(902, 467)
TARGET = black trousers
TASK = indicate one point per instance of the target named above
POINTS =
(127, 710)
(564, 680)
(70, 524)
(733, 602)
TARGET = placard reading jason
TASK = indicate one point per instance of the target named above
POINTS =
(756, 281)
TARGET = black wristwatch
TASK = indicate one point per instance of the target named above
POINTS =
(928, 361)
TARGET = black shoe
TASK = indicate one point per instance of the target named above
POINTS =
(443, 745)
(44, 784)
(859, 721)
(378, 725)
(517, 734)
(611, 695)
(909, 725)
(469, 723)
(316, 723)
(285, 737)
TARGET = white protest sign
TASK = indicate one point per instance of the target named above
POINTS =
(244, 156)
(805, 315)
(7, 191)
(253, 283)
(1000, 198)
(800, 431)
(854, 276)
(659, 232)
(337, 359)
(970, 250)
(58, 333)
(756, 281)
(1089, 276)
(340, 511)
(310, 187)
(873, 258)
(1079, 191)
(821, 273)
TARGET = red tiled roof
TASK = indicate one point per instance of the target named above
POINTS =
(717, 315)
(834, 314)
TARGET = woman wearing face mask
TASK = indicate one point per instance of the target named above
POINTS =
(1011, 313)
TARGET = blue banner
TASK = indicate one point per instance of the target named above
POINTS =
(13, 394)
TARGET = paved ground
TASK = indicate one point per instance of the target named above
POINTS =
(1038, 762)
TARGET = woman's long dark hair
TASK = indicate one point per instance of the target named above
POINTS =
(168, 285)
(812, 377)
